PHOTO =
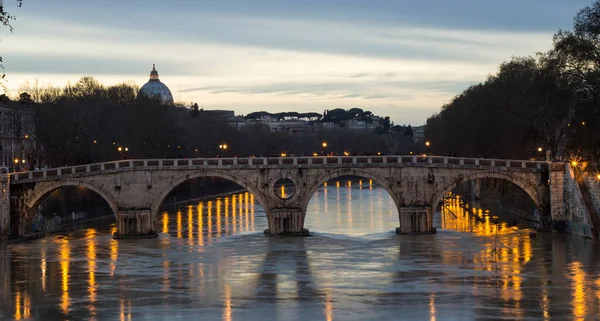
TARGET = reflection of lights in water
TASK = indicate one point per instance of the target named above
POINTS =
(234, 212)
(114, 252)
(179, 226)
(91, 258)
(371, 184)
(252, 211)
(282, 191)
(246, 210)
(512, 253)
(43, 267)
(325, 184)
(226, 214)
(338, 201)
(190, 220)
(22, 305)
(18, 313)
(545, 303)
(65, 257)
(200, 218)
(349, 205)
(165, 221)
(218, 227)
(165, 285)
(227, 311)
(432, 307)
(209, 217)
(125, 312)
(577, 276)
(360, 184)
(328, 307)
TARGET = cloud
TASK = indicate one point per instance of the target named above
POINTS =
(392, 58)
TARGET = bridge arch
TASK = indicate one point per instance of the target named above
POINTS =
(39, 193)
(254, 190)
(334, 173)
(522, 184)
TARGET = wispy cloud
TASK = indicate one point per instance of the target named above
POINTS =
(272, 55)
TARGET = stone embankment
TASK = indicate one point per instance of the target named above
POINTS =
(582, 201)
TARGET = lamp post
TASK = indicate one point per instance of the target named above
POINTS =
(540, 150)
(223, 148)
(123, 151)
(324, 145)
(427, 143)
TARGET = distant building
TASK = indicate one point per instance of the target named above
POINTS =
(17, 136)
(154, 88)
(218, 114)
(419, 134)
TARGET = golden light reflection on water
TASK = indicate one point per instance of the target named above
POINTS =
(114, 251)
(165, 221)
(578, 277)
(200, 224)
(91, 260)
(190, 220)
(328, 307)
(504, 250)
(22, 305)
(227, 308)
(43, 267)
(179, 226)
(65, 258)
(432, 313)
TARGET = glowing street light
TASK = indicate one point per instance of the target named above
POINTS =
(16, 161)
(324, 144)
(539, 149)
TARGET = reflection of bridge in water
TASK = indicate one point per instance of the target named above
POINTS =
(199, 256)
(135, 189)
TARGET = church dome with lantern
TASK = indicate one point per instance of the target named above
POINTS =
(154, 88)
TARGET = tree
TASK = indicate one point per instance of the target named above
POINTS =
(5, 19)
(578, 53)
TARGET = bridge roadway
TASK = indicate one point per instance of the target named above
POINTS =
(135, 188)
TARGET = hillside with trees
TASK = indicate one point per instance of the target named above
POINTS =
(87, 122)
(549, 100)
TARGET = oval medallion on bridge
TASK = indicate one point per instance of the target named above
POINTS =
(284, 188)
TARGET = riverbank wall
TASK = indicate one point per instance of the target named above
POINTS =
(578, 220)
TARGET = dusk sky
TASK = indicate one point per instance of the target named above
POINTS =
(402, 58)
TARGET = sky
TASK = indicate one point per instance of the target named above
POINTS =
(399, 58)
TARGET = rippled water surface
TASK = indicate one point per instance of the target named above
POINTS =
(212, 262)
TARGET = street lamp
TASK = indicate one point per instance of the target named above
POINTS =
(427, 147)
(539, 149)
(123, 151)
(324, 145)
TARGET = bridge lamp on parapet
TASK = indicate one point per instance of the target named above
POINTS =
(324, 145)
(427, 144)
(123, 151)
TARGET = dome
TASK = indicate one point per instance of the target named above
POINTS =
(156, 89)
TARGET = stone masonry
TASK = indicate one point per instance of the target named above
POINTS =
(135, 189)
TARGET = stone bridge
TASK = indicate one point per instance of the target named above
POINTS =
(135, 189)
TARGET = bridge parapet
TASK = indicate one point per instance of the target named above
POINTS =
(136, 188)
(282, 162)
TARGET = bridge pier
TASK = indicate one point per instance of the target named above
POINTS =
(134, 223)
(286, 221)
(415, 220)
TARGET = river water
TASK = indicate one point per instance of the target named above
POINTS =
(212, 262)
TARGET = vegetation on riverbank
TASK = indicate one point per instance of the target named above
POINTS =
(548, 101)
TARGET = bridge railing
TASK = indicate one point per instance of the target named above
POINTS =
(325, 161)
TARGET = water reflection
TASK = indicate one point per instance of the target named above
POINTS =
(211, 260)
